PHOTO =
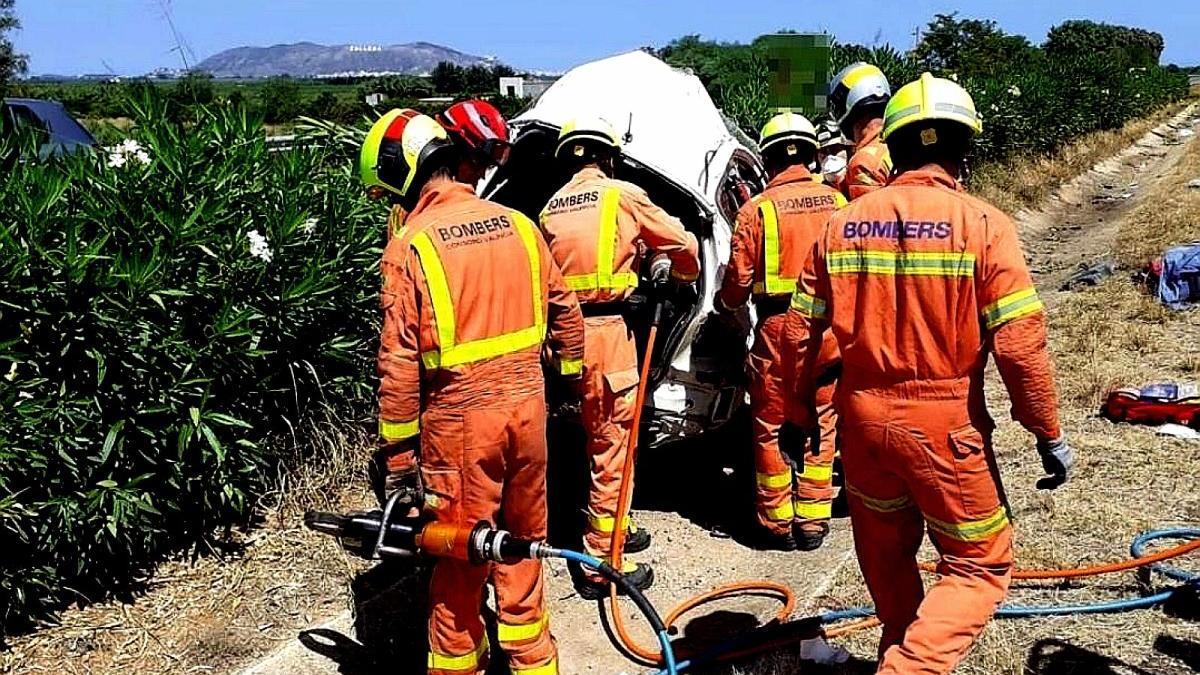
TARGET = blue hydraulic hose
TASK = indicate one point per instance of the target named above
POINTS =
(660, 630)
(1137, 550)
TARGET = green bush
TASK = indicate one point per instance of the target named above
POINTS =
(171, 314)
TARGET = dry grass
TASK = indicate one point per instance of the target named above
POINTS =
(215, 614)
(1022, 182)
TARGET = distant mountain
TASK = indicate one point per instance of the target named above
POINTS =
(306, 59)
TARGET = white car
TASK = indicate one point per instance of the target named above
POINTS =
(694, 164)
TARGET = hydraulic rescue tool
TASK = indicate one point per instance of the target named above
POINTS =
(378, 535)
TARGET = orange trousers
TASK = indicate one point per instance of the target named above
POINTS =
(918, 456)
(610, 377)
(488, 465)
(785, 498)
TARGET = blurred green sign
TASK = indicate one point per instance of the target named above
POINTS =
(798, 64)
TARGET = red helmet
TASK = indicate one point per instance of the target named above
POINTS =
(479, 127)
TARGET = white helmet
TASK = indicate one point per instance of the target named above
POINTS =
(858, 84)
(591, 129)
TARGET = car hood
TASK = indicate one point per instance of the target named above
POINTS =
(673, 125)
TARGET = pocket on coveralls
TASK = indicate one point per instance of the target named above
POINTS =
(442, 440)
(976, 483)
(622, 390)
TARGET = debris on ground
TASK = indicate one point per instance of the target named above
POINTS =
(1175, 277)
(1179, 431)
(1090, 275)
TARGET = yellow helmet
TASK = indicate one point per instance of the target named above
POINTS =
(931, 98)
(397, 147)
(785, 127)
(591, 129)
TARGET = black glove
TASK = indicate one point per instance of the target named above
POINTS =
(1057, 460)
(793, 439)
(386, 482)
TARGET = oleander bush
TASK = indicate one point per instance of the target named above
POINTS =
(173, 311)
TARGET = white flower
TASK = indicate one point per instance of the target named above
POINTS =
(1014, 91)
(953, 76)
(119, 155)
(12, 372)
(259, 247)
(309, 226)
(1104, 91)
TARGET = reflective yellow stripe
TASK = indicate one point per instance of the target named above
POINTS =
(810, 306)
(814, 510)
(972, 530)
(908, 263)
(785, 512)
(817, 473)
(468, 662)
(570, 366)
(398, 431)
(548, 669)
(522, 632)
(1012, 306)
(486, 348)
(840, 200)
(774, 481)
(604, 524)
(591, 282)
(439, 289)
(449, 353)
(774, 283)
(607, 244)
(880, 505)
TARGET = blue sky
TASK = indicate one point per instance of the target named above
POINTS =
(78, 36)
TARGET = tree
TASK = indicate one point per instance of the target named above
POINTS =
(193, 90)
(1130, 46)
(479, 80)
(448, 78)
(12, 64)
(280, 100)
(968, 46)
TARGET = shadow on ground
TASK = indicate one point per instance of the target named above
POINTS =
(1056, 657)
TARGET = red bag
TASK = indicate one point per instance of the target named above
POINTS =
(1127, 405)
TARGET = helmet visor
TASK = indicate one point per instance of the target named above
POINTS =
(497, 150)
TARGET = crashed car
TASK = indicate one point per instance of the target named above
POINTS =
(694, 164)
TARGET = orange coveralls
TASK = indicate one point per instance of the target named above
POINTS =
(870, 166)
(594, 225)
(774, 232)
(918, 282)
(470, 296)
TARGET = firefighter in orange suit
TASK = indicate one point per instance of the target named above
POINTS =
(594, 226)
(470, 297)
(919, 282)
(773, 234)
(857, 97)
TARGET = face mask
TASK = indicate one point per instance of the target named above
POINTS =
(833, 165)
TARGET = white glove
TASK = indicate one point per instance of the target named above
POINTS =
(819, 651)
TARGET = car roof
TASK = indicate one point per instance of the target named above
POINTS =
(63, 127)
(675, 126)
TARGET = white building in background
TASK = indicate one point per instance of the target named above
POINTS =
(525, 87)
